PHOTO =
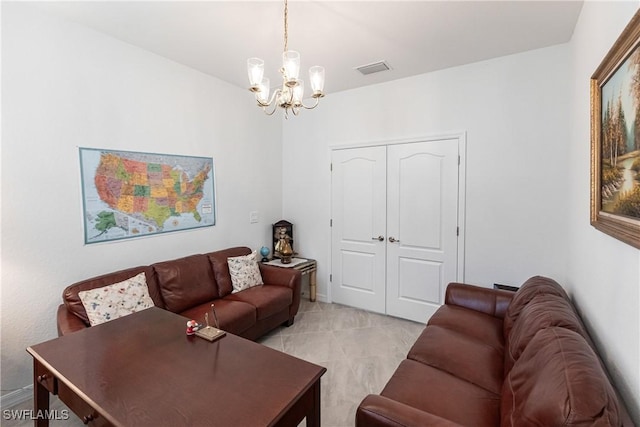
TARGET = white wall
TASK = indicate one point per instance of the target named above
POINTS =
(514, 110)
(65, 86)
(603, 272)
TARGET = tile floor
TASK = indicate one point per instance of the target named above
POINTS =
(359, 349)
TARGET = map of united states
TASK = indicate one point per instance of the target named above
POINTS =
(148, 191)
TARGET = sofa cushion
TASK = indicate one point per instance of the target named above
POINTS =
(233, 316)
(244, 271)
(268, 300)
(442, 394)
(474, 324)
(460, 356)
(558, 380)
(220, 266)
(114, 301)
(74, 304)
(534, 286)
(543, 311)
(186, 282)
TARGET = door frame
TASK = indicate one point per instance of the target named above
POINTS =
(457, 137)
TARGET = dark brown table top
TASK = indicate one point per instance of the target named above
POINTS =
(143, 369)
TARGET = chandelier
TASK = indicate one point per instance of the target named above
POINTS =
(290, 95)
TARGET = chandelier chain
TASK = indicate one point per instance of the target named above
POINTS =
(286, 25)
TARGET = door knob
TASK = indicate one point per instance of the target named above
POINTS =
(393, 240)
(379, 238)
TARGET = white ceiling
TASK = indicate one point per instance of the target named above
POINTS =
(414, 37)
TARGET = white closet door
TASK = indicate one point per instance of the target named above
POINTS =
(395, 226)
(422, 236)
(358, 219)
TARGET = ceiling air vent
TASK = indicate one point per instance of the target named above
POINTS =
(375, 67)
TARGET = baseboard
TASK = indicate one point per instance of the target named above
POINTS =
(16, 397)
(322, 298)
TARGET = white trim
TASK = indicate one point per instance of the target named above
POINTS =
(16, 397)
(462, 203)
(460, 135)
(322, 298)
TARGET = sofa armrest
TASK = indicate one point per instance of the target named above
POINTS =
(68, 322)
(489, 301)
(377, 411)
(289, 277)
(280, 276)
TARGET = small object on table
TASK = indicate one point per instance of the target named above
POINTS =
(286, 252)
(283, 248)
(192, 327)
(208, 332)
(215, 316)
(264, 251)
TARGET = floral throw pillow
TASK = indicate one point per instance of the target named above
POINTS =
(117, 300)
(244, 271)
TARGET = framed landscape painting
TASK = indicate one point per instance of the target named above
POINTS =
(615, 139)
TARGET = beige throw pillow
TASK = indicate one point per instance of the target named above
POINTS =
(244, 271)
(117, 300)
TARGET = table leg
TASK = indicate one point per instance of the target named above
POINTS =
(312, 286)
(40, 400)
(313, 417)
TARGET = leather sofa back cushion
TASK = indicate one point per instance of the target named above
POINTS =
(220, 267)
(186, 282)
(558, 380)
(74, 304)
(534, 286)
(543, 311)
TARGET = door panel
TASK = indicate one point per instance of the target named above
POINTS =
(359, 215)
(422, 197)
(419, 281)
(419, 199)
(357, 271)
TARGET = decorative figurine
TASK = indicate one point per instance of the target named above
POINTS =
(192, 327)
(283, 247)
(278, 229)
(286, 251)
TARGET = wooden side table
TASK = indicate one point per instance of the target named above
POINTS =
(310, 267)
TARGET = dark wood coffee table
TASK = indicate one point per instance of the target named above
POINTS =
(143, 369)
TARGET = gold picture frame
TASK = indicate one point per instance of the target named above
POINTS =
(615, 139)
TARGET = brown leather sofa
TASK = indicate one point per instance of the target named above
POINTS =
(498, 358)
(189, 285)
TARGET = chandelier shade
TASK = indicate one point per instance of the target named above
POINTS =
(291, 66)
(255, 67)
(290, 95)
(262, 94)
(316, 76)
(298, 93)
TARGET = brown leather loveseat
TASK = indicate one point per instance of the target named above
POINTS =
(188, 286)
(497, 358)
